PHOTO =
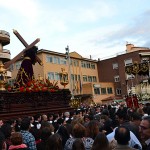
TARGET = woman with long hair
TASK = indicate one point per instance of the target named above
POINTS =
(78, 144)
(79, 131)
(101, 142)
(54, 142)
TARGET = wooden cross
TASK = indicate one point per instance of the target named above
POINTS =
(7, 64)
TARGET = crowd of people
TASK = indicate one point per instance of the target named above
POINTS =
(99, 127)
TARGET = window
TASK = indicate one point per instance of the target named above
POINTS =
(57, 76)
(92, 66)
(128, 62)
(75, 62)
(49, 59)
(130, 76)
(89, 78)
(75, 76)
(51, 75)
(63, 61)
(18, 64)
(72, 77)
(116, 78)
(11, 67)
(78, 77)
(94, 79)
(84, 78)
(96, 90)
(83, 64)
(56, 60)
(109, 90)
(115, 66)
(88, 65)
(118, 91)
(144, 59)
(103, 90)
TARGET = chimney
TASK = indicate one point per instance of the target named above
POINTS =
(129, 47)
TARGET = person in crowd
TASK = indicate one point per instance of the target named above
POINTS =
(55, 123)
(78, 144)
(28, 138)
(35, 130)
(54, 142)
(79, 113)
(31, 121)
(122, 136)
(3, 145)
(77, 119)
(146, 109)
(37, 121)
(13, 124)
(50, 117)
(79, 131)
(63, 132)
(18, 124)
(7, 131)
(17, 142)
(48, 125)
(44, 117)
(140, 112)
(98, 111)
(1, 122)
(145, 132)
(112, 111)
(135, 123)
(86, 119)
(69, 129)
(45, 133)
(101, 142)
(92, 129)
(123, 121)
(106, 124)
(123, 118)
(67, 115)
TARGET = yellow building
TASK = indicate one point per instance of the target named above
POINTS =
(82, 74)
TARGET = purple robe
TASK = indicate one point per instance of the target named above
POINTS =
(25, 73)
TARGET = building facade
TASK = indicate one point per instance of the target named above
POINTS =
(82, 74)
(113, 69)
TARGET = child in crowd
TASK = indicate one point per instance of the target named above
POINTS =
(17, 142)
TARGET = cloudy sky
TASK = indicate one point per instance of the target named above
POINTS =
(99, 28)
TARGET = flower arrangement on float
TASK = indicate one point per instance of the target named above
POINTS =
(36, 86)
(144, 96)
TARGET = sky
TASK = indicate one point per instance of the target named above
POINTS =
(96, 28)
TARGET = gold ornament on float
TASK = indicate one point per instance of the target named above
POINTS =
(63, 77)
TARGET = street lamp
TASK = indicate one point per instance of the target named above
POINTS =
(69, 69)
(67, 52)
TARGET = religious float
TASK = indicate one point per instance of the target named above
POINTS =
(137, 92)
(28, 96)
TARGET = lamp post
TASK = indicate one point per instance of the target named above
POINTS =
(69, 69)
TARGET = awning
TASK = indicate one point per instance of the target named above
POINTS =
(113, 98)
(119, 100)
(83, 96)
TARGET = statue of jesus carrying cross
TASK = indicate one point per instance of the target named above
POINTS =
(25, 73)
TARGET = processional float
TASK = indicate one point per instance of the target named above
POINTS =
(5, 61)
(141, 69)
